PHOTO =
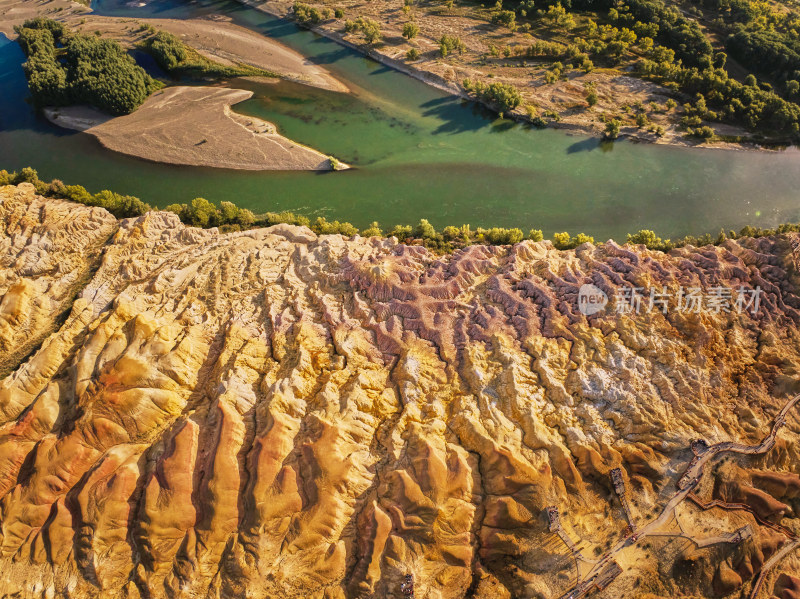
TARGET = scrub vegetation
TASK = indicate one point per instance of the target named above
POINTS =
(229, 217)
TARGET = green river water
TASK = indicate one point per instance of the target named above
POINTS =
(418, 153)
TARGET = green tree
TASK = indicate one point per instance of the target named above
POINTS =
(167, 49)
(449, 44)
(612, 129)
(369, 29)
(504, 17)
(373, 230)
(424, 229)
(410, 30)
(201, 213)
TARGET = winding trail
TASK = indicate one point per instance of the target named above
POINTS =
(686, 485)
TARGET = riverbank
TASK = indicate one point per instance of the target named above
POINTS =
(559, 105)
(194, 126)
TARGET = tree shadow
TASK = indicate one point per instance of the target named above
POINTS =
(586, 145)
(459, 116)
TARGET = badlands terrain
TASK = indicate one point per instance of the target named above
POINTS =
(271, 413)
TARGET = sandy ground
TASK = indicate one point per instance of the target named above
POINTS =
(14, 12)
(221, 41)
(194, 126)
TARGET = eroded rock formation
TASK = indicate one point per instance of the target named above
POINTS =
(276, 414)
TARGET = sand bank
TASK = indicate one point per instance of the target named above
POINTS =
(194, 126)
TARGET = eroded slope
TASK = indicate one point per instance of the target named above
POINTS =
(273, 414)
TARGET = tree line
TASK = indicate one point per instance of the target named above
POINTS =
(229, 217)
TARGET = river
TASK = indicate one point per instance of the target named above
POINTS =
(418, 153)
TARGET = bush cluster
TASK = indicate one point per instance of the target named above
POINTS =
(368, 28)
(309, 15)
(202, 213)
(65, 68)
(503, 95)
(121, 206)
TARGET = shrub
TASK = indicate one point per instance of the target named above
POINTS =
(322, 226)
(368, 28)
(424, 229)
(401, 231)
(410, 30)
(500, 236)
(285, 217)
(449, 44)
(373, 230)
(612, 129)
(535, 235)
(563, 241)
(305, 14)
(650, 240)
(338, 13)
(412, 54)
(450, 233)
(704, 132)
(591, 93)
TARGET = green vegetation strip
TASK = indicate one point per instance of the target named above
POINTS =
(180, 60)
(229, 217)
